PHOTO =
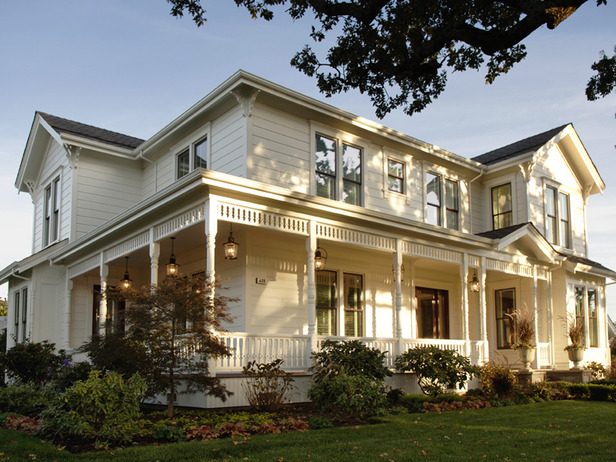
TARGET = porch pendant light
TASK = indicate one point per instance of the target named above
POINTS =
(231, 247)
(320, 258)
(474, 284)
(126, 281)
(173, 268)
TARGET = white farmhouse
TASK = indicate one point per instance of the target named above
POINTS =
(422, 246)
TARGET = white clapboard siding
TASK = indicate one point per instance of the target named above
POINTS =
(228, 143)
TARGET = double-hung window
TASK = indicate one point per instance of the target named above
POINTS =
(20, 303)
(502, 207)
(51, 212)
(395, 176)
(436, 189)
(557, 223)
(329, 302)
(328, 164)
(504, 305)
(192, 158)
(586, 302)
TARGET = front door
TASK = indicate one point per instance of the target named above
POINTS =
(432, 313)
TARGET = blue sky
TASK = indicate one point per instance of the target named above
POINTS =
(129, 66)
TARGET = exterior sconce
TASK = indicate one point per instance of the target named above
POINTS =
(393, 270)
(126, 282)
(474, 284)
(320, 258)
(173, 269)
(231, 247)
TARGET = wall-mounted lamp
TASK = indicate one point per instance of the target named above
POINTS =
(173, 269)
(126, 281)
(320, 258)
(393, 270)
(231, 247)
(474, 284)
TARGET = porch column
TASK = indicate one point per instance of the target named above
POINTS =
(211, 228)
(483, 312)
(154, 258)
(465, 310)
(66, 324)
(102, 310)
(550, 310)
(536, 313)
(311, 248)
(398, 302)
(413, 301)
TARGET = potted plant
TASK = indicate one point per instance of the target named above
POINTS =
(577, 345)
(524, 333)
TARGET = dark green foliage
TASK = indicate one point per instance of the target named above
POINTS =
(103, 409)
(317, 422)
(436, 369)
(578, 390)
(166, 433)
(34, 363)
(601, 392)
(352, 395)
(351, 357)
(70, 373)
(415, 403)
(268, 386)
(25, 399)
(604, 81)
(497, 381)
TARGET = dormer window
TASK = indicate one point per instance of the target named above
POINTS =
(557, 223)
(51, 212)
(502, 207)
(192, 158)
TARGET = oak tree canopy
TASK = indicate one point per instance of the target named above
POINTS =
(399, 52)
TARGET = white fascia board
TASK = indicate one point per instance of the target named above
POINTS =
(537, 239)
(99, 146)
(7, 272)
(585, 158)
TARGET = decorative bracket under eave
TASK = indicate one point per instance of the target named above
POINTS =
(30, 185)
(246, 98)
(72, 154)
(527, 169)
(586, 191)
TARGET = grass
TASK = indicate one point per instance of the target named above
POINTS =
(556, 431)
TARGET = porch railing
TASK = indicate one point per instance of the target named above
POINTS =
(543, 355)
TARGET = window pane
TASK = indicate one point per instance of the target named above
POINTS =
(183, 164)
(550, 194)
(432, 313)
(434, 215)
(353, 296)
(593, 328)
(47, 216)
(325, 186)
(326, 155)
(550, 212)
(504, 305)
(55, 223)
(564, 229)
(17, 304)
(326, 301)
(395, 176)
(451, 204)
(395, 184)
(351, 163)
(434, 189)
(502, 215)
(200, 160)
(452, 219)
(351, 193)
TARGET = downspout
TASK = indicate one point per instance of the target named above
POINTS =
(18, 276)
(141, 156)
(470, 195)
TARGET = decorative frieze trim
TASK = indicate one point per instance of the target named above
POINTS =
(509, 267)
(126, 247)
(433, 253)
(251, 216)
(179, 222)
(348, 236)
(84, 266)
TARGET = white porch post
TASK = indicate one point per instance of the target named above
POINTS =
(311, 247)
(211, 229)
(66, 324)
(414, 330)
(536, 313)
(398, 302)
(465, 310)
(483, 312)
(550, 309)
(102, 310)
(154, 258)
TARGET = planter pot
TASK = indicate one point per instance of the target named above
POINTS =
(576, 356)
(526, 356)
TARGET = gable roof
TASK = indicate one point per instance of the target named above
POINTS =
(519, 147)
(72, 127)
(526, 238)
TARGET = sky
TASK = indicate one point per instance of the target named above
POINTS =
(129, 66)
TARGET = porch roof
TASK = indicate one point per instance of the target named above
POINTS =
(587, 265)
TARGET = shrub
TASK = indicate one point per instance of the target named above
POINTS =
(601, 392)
(497, 381)
(268, 386)
(317, 422)
(578, 390)
(353, 395)
(34, 363)
(436, 369)
(21, 423)
(415, 403)
(24, 399)
(169, 433)
(103, 408)
(69, 373)
(351, 357)
(597, 370)
(543, 391)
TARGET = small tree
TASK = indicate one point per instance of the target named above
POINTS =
(436, 369)
(34, 363)
(177, 322)
(4, 307)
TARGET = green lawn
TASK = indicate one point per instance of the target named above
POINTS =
(558, 431)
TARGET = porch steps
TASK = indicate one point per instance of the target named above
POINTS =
(527, 378)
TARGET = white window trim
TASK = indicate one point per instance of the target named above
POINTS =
(487, 212)
(444, 174)
(341, 138)
(189, 143)
(46, 234)
(599, 301)
(407, 162)
(340, 308)
(560, 189)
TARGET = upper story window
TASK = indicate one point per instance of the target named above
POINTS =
(436, 189)
(557, 223)
(328, 181)
(51, 212)
(502, 206)
(192, 158)
(395, 176)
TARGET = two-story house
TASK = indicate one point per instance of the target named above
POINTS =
(344, 229)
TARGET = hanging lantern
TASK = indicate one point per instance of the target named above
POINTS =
(126, 282)
(231, 247)
(474, 284)
(173, 268)
(320, 258)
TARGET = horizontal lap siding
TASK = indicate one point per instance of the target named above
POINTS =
(228, 143)
(106, 187)
(280, 149)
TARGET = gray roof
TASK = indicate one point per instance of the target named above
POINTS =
(62, 125)
(519, 147)
(585, 261)
(502, 232)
